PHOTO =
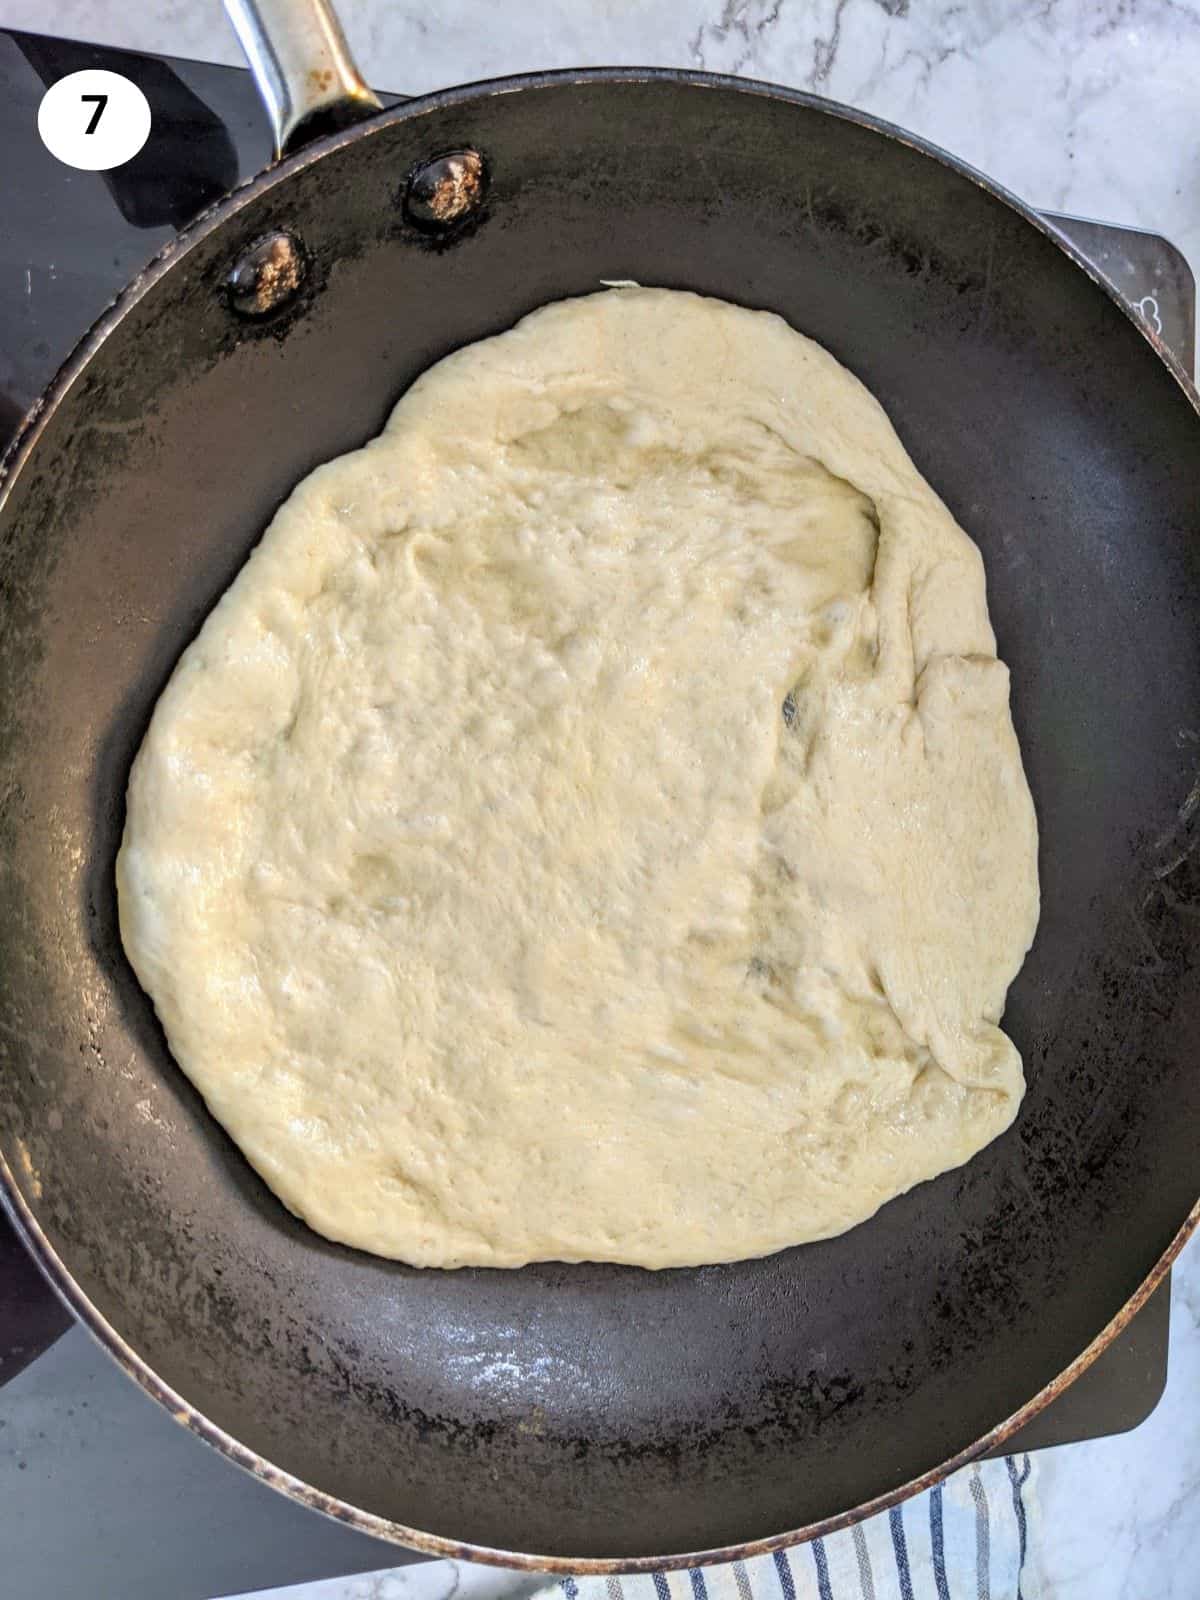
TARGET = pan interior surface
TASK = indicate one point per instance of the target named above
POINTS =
(588, 1412)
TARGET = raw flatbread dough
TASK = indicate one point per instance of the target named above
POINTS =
(591, 826)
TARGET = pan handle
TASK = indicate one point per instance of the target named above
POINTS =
(303, 68)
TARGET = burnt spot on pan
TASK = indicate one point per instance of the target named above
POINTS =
(443, 198)
(269, 283)
(267, 275)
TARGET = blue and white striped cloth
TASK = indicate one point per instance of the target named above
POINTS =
(966, 1539)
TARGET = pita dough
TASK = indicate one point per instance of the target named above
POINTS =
(591, 825)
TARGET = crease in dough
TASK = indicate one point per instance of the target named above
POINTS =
(591, 826)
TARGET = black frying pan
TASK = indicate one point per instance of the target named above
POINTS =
(592, 1414)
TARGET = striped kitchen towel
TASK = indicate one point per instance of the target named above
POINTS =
(966, 1539)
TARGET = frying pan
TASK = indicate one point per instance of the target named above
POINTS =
(594, 1417)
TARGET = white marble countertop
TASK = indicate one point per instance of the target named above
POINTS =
(1085, 106)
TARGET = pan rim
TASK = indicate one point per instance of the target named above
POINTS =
(439, 1546)
(221, 211)
(12, 1198)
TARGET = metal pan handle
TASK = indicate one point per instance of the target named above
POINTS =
(303, 68)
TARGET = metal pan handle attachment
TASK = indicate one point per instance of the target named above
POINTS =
(303, 68)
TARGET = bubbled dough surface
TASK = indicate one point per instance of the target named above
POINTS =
(591, 825)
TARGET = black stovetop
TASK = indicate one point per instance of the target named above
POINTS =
(71, 239)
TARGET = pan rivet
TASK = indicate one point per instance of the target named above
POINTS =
(445, 190)
(266, 275)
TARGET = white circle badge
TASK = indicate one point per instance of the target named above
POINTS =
(94, 120)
